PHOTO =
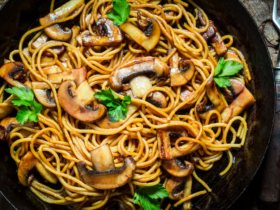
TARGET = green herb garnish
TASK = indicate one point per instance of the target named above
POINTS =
(148, 195)
(29, 107)
(118, 109)
(225, 69)
(120, 12)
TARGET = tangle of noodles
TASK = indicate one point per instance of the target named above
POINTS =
(59, 141)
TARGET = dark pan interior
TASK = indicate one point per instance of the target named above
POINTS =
(17, 16)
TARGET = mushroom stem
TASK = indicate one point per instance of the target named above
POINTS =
(102, 158)
(139, 85)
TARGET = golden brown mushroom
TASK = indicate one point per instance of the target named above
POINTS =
(164, 144)
(158, 99)
(11, 72)
(25, 170)
(108, 34)
(42, 40)
(136, 67)
(79, 102)
(55, 31)
(215, 97)
(77, 75)
(43, 93)
(181, 71)
(177, 168)
(147, 39)
(175, 186)
(218, 43)
(243, 101)
(102, 158)
(109, 179)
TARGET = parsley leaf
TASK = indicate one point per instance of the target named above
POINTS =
(118, 109)
(225, 69)
(25, 99)
(147, 196)
(120, 12)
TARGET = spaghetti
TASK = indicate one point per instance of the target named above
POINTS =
(173, 119)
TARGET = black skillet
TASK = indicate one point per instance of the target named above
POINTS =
(17, 16)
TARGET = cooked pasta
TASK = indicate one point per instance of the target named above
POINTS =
(178, 122)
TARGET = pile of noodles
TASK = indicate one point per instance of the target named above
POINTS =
(60, 141)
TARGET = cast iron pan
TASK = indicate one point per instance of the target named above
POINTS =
(17, 16)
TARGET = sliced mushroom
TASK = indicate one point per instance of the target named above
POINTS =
(77, 75)
(186, 94)
(181, 72)
(107, 124)
(139, 85)
(52, 69)
(210, 33)
(218, 43)
(230, 54)
(158, 99)
(79, 101)
(177, 168)
(136, 67)
(6, 110)
(25, 170)
(108, 34)
(5, 127)
(102, 158)
(147, 39)
(243, 101)
(175, 187)
(43, 93)
(110, 179)
(201, 18)
(42, 40)
(215, 97)
(11, 72)
(55, 31)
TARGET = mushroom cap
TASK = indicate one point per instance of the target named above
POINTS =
(25, 169)
(158, 99)
(181, 71)
(108, 34)
(11, 72)
(148, 39)
(5, 128)
(55, 31)
(77, 75)
(27, 165)
(136, 67)
(177, 168)
(175, 187)
(79, 101)
(110, 179)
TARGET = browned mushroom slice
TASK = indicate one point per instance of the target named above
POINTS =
(139, 85)
(177, 168)
(55, 31)
(147, 39)
(52, 69)
(107, 124)
(158, 99)
(215, 97)
(102, 158)
(164, 144)
(43, 93)
(181, 72)
(75, 32)
(110, 179)
(175, 187)
(42, 40)
(25, 170)
(201, 18)
(11, 72)
(5, 127)
(6, 110)
(108, 34)
(136, 67)
(210, 33)
(230, 54)
(218, 43)
(79, 101)
(186, 94)
(77, 75)
(243, 101)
